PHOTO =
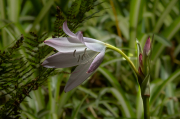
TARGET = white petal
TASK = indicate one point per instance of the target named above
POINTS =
(93, 44)
(62, 60)
(80, 36)
(78, 76)
(97, 61)
(65, 44)
(67, 30)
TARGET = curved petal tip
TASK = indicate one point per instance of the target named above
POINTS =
(67, 30)
(97, 61)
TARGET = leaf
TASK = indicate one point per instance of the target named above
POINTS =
(162, 40)
(134, 15)
(76, 110)
(163, 85)
(42, 13)
(118, 93)
(42, 113)
(168, 33)
(145, 89)
(29, 115)
(163, 15)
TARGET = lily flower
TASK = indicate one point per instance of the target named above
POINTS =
(75, 50)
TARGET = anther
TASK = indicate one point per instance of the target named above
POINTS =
(79, 58)
(85, 50)
(74, 53)
(82, 56)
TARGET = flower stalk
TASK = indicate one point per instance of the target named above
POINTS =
(145, 86)
(142, 72)
(124, 55)
(146, 106)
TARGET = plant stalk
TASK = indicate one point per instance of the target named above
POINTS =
(124, 55)
(146, 106)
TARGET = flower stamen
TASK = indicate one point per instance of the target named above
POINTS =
(85, 50)
(82, 56)
(79, 58)
(74, 53)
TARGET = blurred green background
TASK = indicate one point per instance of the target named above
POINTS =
(112, 92)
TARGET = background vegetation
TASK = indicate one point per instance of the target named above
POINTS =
(112, 92)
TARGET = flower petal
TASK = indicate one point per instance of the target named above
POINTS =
(65, 44)
(80, 36)
(67, 30)
(97, 61)
(78, 76)
(93, 44)
(62, 60)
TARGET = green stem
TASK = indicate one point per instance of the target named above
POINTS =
(144, 97)
(124, 55)
(146, 106)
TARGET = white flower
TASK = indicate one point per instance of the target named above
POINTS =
(75, 50)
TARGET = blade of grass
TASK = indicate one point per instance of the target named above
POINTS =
(42, 113)
(94, 95)
(134, 14)
(139, 105)
(42, 13)
(75, 112)
(64, 97)
(163, 15)
(118, 93)
(163, 85)
(170, 104)
(50, 95)
(29, 115)
(168, 33)
(116, 19)
(57, 89)
(4, 35)
(14, 10)
(40, 99)
(162, 40)
(155, 6)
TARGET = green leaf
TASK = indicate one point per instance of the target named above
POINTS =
(118, 93)
(63, 100)
(42, 13)
(170, 93)
(145, 89)
(42, 113)
(163, 15)
(168, 33)
(29, 115)
(134, 14)
(89, 92)
(75, 112)
(163, 85)
(139, 105)
(162, 40)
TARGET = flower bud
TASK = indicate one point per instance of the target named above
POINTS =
(147, 46)
(140, 60)
(140, 71)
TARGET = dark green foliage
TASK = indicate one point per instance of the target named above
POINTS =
(17, 72)
(75, 16)
(20, 65)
